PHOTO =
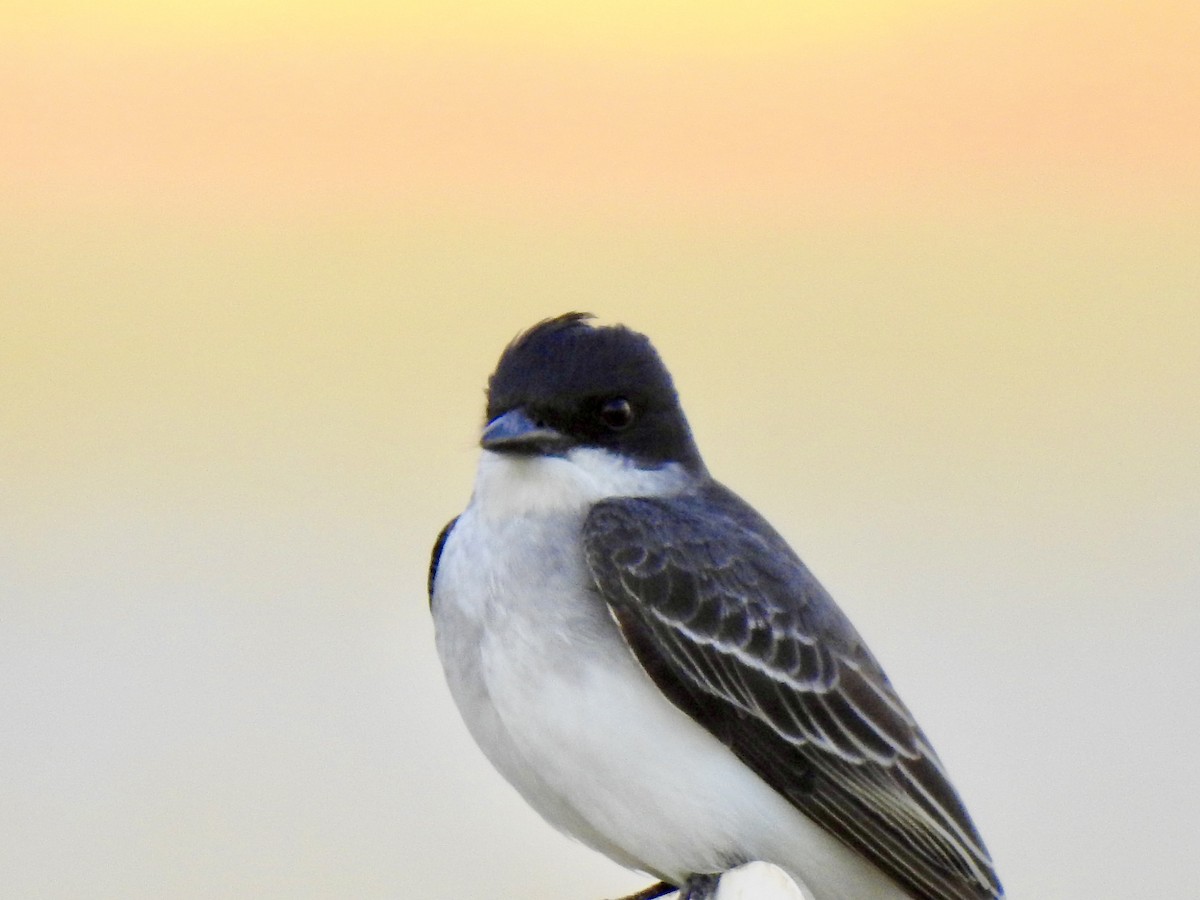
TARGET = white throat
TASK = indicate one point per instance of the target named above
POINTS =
(508, 485)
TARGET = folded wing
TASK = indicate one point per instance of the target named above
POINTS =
(730, 625)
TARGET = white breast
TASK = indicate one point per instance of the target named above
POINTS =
(558, 703)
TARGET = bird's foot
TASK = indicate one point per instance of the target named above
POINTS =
(699, 887)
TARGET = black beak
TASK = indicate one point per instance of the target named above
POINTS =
(515, 432)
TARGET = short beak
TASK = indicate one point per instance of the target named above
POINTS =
(516, 432)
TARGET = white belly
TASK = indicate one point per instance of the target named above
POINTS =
(558, 703)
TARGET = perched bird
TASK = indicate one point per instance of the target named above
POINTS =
(654, 669)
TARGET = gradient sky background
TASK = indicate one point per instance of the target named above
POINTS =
(928, 278)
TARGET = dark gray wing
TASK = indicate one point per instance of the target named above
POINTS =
(437, 554)
(733, 628)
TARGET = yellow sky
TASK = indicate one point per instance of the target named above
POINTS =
(939, 113)
(702, 24)
(387, 105)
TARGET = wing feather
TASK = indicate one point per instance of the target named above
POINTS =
(436, 556)
(734, 629)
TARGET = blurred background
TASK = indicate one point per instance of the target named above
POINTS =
(927, 275)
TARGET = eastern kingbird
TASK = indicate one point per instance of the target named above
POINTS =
(650, 664)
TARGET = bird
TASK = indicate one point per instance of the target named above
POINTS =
(651, 665)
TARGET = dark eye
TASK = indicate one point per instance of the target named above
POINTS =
(617, 413)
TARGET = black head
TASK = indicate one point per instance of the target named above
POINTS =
(566, 383)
